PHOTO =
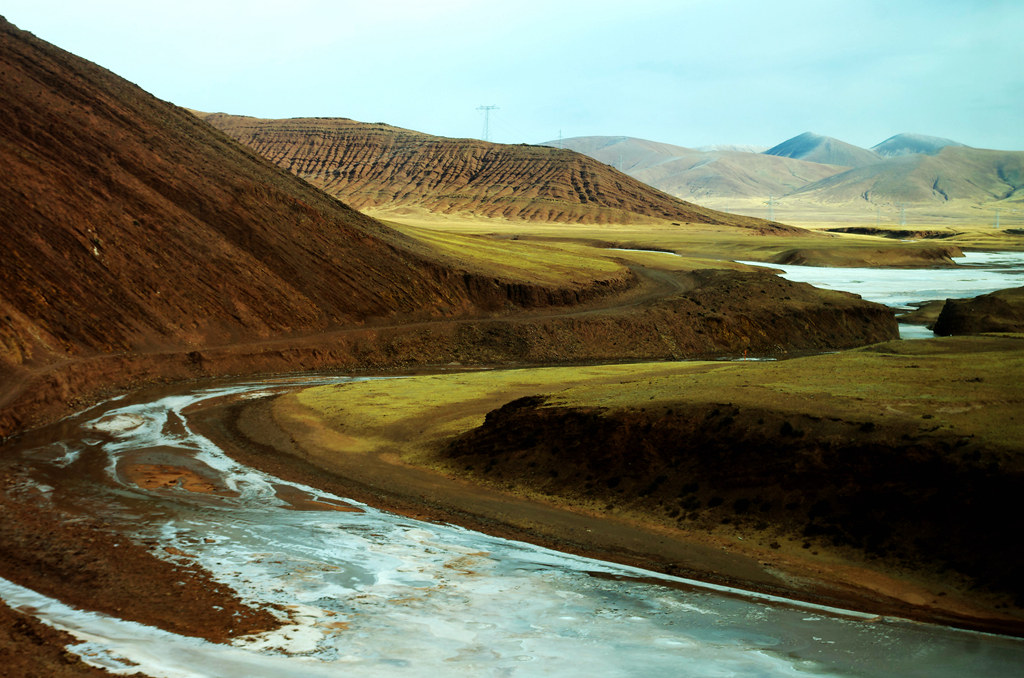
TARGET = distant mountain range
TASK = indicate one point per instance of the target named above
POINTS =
(699, 175)
(905, 168)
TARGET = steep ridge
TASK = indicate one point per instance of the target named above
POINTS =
(131, 226)
(374, 165)
(699, 175)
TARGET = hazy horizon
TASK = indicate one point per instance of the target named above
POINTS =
(690, 73)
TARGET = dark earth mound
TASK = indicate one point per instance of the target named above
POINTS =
(1000, 311)
(896, 234)
(922, 497)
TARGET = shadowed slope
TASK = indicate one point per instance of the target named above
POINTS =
(376, 165)
(129, 224)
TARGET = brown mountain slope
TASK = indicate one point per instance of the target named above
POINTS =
(374, 165)
(129, 225)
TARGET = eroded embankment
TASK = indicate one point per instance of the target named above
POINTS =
(923, 499)
(710, 312)
(880, 257)
(31, 648)
(1001, 311)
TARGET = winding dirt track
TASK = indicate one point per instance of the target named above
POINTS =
(651, 285)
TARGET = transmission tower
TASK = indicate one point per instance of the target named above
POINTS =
(487, 120)
(903, 214)
(772, 202)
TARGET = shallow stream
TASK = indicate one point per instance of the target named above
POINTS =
(375, 594)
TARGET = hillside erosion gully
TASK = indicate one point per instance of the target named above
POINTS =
(659, 315)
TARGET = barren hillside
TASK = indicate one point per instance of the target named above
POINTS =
(953, 173)
(374, 165)
(909, 144)
(130, 225)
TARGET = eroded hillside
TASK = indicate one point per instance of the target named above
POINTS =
(374, 165)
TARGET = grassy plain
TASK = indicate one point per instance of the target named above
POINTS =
(955, 215)
(967, 385)
(561, 252)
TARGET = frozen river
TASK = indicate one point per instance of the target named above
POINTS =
(976, 273)
(375, 594)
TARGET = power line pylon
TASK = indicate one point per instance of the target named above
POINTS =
(487, 120)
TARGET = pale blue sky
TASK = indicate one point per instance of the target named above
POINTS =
(687, 72)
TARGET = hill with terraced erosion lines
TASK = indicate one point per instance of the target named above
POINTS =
(142, 244)
(373, 165)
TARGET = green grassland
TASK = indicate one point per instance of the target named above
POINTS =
(969, 385)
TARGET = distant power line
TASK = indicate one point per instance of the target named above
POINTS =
(487, 120)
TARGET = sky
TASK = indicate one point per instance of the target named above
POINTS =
(685, 72)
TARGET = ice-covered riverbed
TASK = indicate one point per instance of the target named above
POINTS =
(977, 273)
(374, 594)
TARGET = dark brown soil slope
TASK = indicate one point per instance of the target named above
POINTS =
(31, 649)
(373, 165)
(895, 491)
(1001, 311)
(130, 225)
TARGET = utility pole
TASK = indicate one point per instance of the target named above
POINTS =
(487, 120)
